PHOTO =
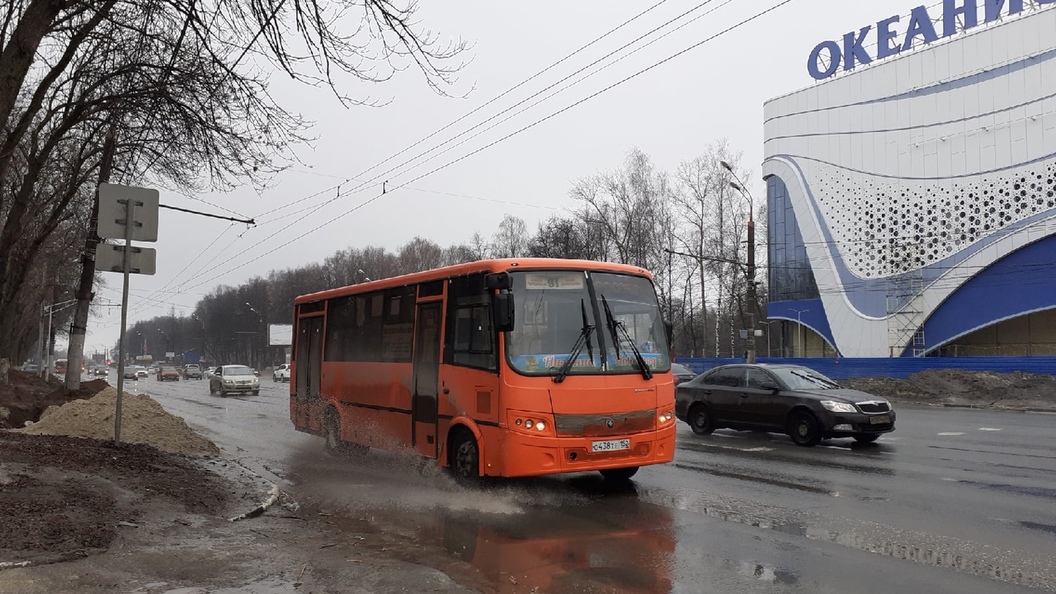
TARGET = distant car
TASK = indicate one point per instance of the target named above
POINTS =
(192, 371)
(168, 374)
(142, 372)
(281, 373)
(791, 399)
(682, 373)
(31, 368)
(131, 372)
(234, 378)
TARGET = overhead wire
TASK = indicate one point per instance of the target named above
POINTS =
(507, 112)
(367, 184)
(484, 105)
(506, 137)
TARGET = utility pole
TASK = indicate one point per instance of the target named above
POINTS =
(749, 272)
(79, 326)
(752, 302)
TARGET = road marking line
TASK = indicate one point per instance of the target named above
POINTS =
(990, 429)
(949, 433)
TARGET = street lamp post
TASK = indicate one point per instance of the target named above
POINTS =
(750, 269)
(256, 353)
(799, 330)
(769, 323)
(167, 345)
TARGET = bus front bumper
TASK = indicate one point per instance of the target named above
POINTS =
(529, 455)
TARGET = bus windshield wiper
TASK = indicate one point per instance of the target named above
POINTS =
(615, 328)
(610, 323)
(584, 338)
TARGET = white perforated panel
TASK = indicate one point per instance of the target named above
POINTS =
(885, 227)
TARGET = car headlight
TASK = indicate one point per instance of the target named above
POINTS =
(844, 407)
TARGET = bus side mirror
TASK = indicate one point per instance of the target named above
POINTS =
(670, 328)
(498, 280)
(502, 312)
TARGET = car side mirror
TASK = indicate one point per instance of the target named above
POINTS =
(770, 386)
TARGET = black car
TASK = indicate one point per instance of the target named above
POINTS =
(789, 399)
(682, 373)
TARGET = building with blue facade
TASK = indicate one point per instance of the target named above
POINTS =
(912, 190)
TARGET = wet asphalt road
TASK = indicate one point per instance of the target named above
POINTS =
(953, 501)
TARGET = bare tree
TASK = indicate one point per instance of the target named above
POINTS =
(511, 238)
(715, 218)
(624, 208)
(169, 81)
(419, 254)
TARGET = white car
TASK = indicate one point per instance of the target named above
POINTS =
(281, 373)
(234, 378)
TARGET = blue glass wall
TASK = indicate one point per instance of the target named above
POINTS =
(790, 276)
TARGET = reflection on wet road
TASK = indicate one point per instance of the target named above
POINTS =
(954, 501)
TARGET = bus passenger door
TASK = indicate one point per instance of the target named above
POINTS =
(426, 374)
(308, 371)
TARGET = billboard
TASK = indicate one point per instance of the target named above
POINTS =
(280, 334)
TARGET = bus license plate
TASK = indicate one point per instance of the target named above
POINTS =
(611, 445)
(879, 420)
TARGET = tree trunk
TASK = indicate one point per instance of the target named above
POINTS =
(79, 327)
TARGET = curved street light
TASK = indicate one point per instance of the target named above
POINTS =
(750, 268)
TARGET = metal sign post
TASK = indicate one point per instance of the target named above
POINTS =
(126, 202)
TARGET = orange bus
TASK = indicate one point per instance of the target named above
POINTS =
(514, 367)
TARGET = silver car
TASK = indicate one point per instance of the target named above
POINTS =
(234, 378)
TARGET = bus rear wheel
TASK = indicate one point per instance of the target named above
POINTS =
(464, 460)
(619, 474)
(332, 434)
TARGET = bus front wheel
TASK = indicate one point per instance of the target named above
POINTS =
(619, 474)
(465, 458)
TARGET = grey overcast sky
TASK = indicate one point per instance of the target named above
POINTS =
(670, 112)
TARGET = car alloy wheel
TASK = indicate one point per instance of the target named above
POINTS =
(804, 429)
(700, 420)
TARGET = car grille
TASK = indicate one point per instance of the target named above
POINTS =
(874, 406)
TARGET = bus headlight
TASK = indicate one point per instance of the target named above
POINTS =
(666, 417)
(535, 423)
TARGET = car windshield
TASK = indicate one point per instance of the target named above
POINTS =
(237, 370)
(803, 378)
(555, 310)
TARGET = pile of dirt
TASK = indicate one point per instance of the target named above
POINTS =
(957, 387)
(143, 420)
(27, 396)
(67, 497)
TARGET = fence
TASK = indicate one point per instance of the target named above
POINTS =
(896, 367)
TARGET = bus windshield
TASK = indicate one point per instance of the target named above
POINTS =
(557, 309)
